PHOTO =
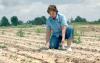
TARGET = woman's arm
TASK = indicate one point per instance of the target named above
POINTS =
(64, 26)
(48, 34)
(63, 33)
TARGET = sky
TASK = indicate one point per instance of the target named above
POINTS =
(29, 9)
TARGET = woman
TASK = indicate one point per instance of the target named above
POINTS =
(58, 29)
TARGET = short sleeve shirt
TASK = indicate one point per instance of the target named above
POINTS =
(56, 24)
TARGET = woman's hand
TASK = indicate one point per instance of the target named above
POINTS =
(63, 43)
(47, 44)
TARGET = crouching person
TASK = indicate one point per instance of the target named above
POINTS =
(58, 30)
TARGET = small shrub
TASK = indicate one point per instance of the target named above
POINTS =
(39, 30)
(20, 33)
(99, 38)
(2, 46)
(78, 41)
(78, 37)
(3, 32)
(76, 33)
(82, 33)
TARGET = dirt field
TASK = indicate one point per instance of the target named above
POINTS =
(31, 48)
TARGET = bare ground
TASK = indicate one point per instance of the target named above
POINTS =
(32, 49)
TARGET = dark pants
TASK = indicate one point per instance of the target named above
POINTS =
(55, 41)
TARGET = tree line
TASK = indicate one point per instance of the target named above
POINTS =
(14, 21)
(84, 20)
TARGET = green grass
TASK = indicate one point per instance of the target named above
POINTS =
(23, 26)
(18, 26)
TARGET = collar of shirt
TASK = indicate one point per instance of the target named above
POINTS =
(54, 19)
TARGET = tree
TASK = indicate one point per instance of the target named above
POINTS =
(72, 20)
(44, 19)
(20, 22)
(99, 20)
(80, 19)
(4, 21)
(14, 20)
(29, 22)
(38, 21)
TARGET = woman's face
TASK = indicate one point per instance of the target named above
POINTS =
(53, 14)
